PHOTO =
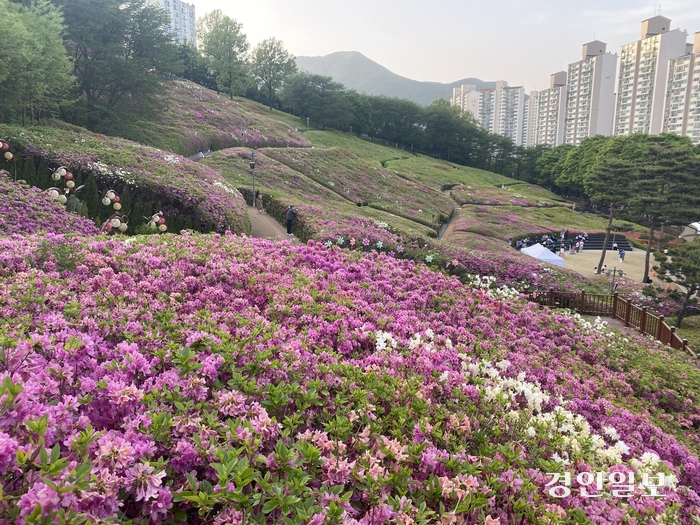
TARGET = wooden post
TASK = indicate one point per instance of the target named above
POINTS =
(627, 312)
(658, 329)
(614, 306)
(583, 302)
(643, 320)
(551, 297)
(685, 344)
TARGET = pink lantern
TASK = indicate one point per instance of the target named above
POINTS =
(68, 175)
(161, 221)
(4, 146)
(116, 198)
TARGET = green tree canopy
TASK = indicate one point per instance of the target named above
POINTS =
(682, 266)
(224, 45)
(271, 65)
(120, 51)
(35, 71)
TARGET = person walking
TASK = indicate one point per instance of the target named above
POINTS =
(258, 202)
(622, 255)
(291, 213)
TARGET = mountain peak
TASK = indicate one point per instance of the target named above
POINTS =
(356, 71)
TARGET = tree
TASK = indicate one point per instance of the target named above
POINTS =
(120, 52)
(195, 66)
(609, 184)
(35, 70)
(271, 65)
(224, 45)
(666, 186)
(318, 98)
(550, 165)
(682, 266)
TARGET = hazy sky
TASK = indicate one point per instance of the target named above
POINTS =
(447, 40)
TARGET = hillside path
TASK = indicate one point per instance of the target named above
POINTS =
(449, 228)
(265, 227)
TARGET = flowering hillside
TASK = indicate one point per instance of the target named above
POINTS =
(183, 188)
(26, 210)
(220, 379)
(199, 119)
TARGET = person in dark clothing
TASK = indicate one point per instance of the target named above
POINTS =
(291, 213)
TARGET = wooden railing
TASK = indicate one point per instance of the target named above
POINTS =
(616, 307)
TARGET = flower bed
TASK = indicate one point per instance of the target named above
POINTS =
(183, 188)
(508, 196)
(26, 210)
(200, 119)
(227, 380)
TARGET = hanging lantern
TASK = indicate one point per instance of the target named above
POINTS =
(161, 221)
(151, 224)
(4, 146)
(53, 194)
(70, 184)
(8, 155)
(106, 201)
(56, 176)
(61, 171)
(123, 227)
(116, 199)
(110, 195)
(62, 199)
(162, 227)
(117, 206)
(115, 222)
(107, 227)
(68, 175)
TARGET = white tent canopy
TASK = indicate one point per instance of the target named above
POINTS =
(543, 254)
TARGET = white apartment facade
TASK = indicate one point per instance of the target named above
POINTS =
(551, 112)
(182, 19)
(682, 105)
(499, 110)
(590, 98)
(641, 91)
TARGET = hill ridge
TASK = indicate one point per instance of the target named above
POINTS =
(356, 71)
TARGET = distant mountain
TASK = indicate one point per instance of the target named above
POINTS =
(358, 72)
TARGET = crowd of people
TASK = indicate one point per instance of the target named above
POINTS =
(560, 245)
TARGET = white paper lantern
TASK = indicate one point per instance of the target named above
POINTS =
(62, 199)
(53, 194)
(56, 176)
(115, 222)
(151, 224)
(123, 227)
(110, 195)
(162, 227)
(106, 201)
(61, 172)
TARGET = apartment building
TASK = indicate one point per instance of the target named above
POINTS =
(590, 97)
(499, 110)
(182, 19)
(551, 112)
(529, 118)
(641, 91)
(682, 104)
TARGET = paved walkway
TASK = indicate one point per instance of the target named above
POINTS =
(265, 227)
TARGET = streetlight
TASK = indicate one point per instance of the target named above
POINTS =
(613, 272)
(252, 167)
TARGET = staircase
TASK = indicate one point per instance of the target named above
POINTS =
(595, 242)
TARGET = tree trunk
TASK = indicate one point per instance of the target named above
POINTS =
(661, 236)
(648, 257)
(686, 302)
(607, 236)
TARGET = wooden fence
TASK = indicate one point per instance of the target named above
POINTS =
(616, 307)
